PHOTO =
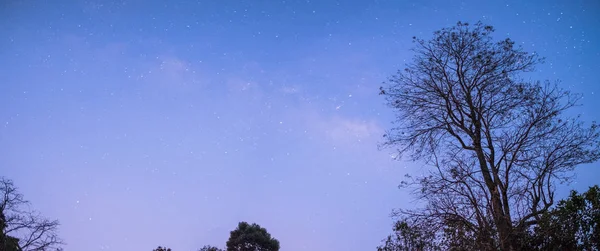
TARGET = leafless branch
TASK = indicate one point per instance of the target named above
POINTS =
(34, 233)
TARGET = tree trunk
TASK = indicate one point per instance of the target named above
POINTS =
(503, 225)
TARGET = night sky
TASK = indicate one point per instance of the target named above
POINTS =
(145, 123)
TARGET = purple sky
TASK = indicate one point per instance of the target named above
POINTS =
(146, 123)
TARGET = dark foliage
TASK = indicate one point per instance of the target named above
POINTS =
(573, 225)
(248, 237)
(210, 248)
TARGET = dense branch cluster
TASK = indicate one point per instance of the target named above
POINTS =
(497, 145)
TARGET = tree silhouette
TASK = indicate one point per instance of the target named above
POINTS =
(408, 237)
(573, 225)
(22, 228)
(210, 248)
(496, 145)
(248, 237)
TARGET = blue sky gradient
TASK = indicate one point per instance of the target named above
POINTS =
(145, 123)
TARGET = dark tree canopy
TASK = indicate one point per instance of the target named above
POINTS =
(408, 237)
(497, 145)
(210, 248)
(253, 237)
(22, 228)
(160, 248)
(573, 225)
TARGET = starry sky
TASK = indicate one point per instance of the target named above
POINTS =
(145, 123)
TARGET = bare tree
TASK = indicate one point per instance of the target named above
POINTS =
(22, 228)
(497, 145)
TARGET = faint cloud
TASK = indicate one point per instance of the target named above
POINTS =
(290, 89)
(340, 129)
(172, 73)
(162, 71)
(111, 52)
(248, 80)
(236, 84)
(345, 131)
(80, 47)
(175, 70)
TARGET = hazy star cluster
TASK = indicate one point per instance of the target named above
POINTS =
(145, 123)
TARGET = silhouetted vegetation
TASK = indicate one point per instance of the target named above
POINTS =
(210, 248)
(253, 237)
(22, 228)
(573, 225)
(496, 145)
(246, 237)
